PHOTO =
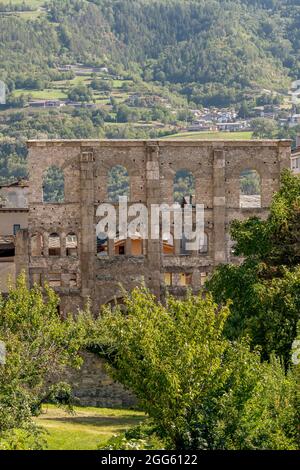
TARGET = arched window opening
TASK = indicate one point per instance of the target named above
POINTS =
(230, 246)
(72, 245)
(168, 279)
(118, 183)
(7, 249)
(73, 280)
(102, 245)
(54, 245)
(37, 279)
(37, 245)
(120, 247)
(184, 242)
(168, 244)
(184, 187)
(54, 279)
(203, 248)
(118, 304)
(54, 185)
(250, 189)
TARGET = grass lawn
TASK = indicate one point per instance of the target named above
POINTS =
(30, 15)
(31, 3)
(87, 428)
(48, 94)
(80, 80)
(246, 135)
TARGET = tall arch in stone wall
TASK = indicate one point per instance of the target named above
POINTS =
(118, 183)
(53, 185)
(250, 189)
(184, 185)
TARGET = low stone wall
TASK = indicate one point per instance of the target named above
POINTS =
(93, 386)
(7, 275)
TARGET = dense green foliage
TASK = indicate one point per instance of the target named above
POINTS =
(54, 185)
(200, 390)
(12, 159)
(38, 344)
(265, 288)
(118, 183)
(184, 185)
(250, 182)
(214, 51)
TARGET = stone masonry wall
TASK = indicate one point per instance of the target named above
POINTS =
(92, 386)
(151, 166)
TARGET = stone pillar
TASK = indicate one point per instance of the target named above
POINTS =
(63, 241)
(88, 233)
(177, 247)
(46, 245)
(22, 253)
(128, 246)
(196, 280)
(153, 197)
(219, 205)
(111, 247)
(284, 154)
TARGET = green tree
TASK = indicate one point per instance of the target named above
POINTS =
(39, 345)
(201, 390)
(80, 93)
(54, 185)
(296, 367)
(265, 288)
(263, 128)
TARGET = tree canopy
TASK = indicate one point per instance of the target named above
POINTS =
(201, 390)
(39, 345)
(265, 288)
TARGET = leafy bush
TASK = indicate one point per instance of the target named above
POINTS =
(39, 345)
(200, 390)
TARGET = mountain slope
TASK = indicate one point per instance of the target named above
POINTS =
(238, 44)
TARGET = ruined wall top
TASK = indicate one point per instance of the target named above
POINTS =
(160, 143)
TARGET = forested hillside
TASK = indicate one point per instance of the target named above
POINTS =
(205, 47)
(161, 58)
(216, 47)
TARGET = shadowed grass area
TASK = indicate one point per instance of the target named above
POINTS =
(87, 428)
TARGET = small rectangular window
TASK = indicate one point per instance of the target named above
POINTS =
(73, 280)
(54, 280)
(16, 228)
(37, 278)
(120, 248)
(168, 279)
(185, 279)
(203, 278)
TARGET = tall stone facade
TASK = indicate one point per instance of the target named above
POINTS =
(81, 274)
